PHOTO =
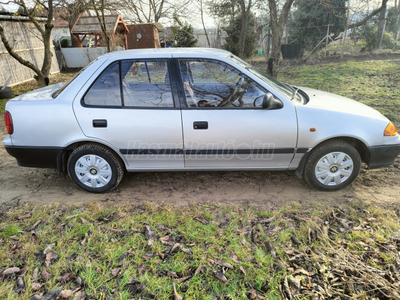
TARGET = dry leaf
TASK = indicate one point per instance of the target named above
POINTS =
(187, 251)
(67, 277)
(35, 274)
(36, 286)
(115, 271)
(172, 274)
(51, 257)
(183, 279)
(71, 217)
(141, 269)
(224, 264)
(10, 271)
(120, 215)
(176, 295)
(295, 240)
(65, 294)
(46, 275)
(25, 216)
(234, 257)
(243, 270)
(266, 221)
(48, 249)
(271, 248)
(19, 285)
(198, 270)
(80, 296)
(219, 275)
(150, 234)
(34, 226)
(84, 221)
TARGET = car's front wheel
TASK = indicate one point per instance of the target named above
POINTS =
(332, 165)
(95, 168)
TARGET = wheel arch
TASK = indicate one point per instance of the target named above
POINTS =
(359, 145)
(62, 159)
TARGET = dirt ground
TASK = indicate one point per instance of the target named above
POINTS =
(264, 190)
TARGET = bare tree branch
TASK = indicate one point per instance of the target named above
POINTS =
(366, 18)
(11, 51)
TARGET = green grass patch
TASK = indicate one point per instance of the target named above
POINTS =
(375, 83)
(132, 252)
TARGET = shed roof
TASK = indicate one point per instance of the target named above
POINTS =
(91, 25)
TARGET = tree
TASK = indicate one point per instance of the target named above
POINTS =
(42, 74)
(183, 33)
(99, 8)
(381, 24)
(229, 10)
(278, 24)
(367, 17)
(200, 5)
(310, 20)
(150, 11)
(70, 12)
(245, 13)
(393, 18)
(233, 36)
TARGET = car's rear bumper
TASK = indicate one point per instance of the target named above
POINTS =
(38, 157)
(382, 156)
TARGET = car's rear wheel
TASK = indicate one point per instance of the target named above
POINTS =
(332, 166)
(95, 168)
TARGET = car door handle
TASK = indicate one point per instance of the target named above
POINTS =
(99, 123)
(200, 125)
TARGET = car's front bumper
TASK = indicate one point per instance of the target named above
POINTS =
(38, 157)
(382, 156)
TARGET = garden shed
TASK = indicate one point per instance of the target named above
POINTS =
(26, 41)
(116, 29)
(144, 35)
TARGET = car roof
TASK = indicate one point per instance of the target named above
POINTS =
(155, 52)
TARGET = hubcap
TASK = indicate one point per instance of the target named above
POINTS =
(93, 171)
(334, 168)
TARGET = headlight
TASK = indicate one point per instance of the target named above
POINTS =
(390, 130)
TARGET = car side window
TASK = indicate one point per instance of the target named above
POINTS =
(106, 90)
(212, 83)
(145, 83)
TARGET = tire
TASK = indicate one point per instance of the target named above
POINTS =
(94, 168)
(332, 166)
(6, 93)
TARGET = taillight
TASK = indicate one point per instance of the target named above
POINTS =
(9, 122)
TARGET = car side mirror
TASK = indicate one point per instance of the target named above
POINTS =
(269, 102)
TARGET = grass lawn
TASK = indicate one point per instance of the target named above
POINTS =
(160, 252)
(375, 83)
(141, 252)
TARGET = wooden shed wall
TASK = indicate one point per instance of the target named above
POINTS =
(25, 39)
(149, 38)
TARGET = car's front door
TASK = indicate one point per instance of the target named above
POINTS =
(131, 107)
(224, 124)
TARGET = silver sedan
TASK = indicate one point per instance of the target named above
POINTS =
(192, 109)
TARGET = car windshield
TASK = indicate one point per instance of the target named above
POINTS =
(283, 88)
(58, 92)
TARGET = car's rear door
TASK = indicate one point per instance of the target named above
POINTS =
(130, 107)
(224, 124)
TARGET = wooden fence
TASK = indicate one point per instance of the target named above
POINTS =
(26, 41)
